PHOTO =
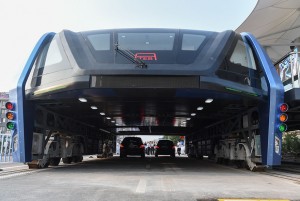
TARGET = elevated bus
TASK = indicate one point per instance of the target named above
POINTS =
(79, 89)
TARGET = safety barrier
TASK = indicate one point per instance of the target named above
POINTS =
(288, 70)
(5, 148)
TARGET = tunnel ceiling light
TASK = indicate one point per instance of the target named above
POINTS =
(193, 114)
(209, 100)
(188, 118)
(117, 124)
(82, 100)
(200, 108)
(113, 121)
(94, 107)
(108, 118)
(102, 113)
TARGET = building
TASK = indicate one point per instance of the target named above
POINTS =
(3, 99)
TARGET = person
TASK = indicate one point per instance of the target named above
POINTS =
(104, 149)
(178, 148)
(109, 149)
(145, 145)
(151, 148)
(118, 148)
(148, 148)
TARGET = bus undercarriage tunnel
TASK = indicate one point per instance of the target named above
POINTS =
(79, 90)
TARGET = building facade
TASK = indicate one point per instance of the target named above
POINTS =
(3, 99)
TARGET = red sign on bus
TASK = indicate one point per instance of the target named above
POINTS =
(146, 56)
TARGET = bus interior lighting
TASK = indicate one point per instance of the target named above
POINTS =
(209, 100)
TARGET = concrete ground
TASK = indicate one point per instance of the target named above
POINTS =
(133, 178)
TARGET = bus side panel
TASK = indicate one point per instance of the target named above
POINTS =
(22, 135)
(270, 138)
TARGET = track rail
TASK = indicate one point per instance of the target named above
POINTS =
(7, 173)
(288, 173)
(19, 170)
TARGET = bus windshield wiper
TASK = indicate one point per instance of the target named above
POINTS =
(130, 56)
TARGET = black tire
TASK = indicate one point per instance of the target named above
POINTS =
(172, 155)
(40, 166)
(241, 164)
(143, 156)
(80, 158)
(67, 160)
(54, 161)
(75, 159)
(123, 156)
(156, 155)
(46, 165)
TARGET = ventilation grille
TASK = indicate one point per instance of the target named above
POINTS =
(145, 81)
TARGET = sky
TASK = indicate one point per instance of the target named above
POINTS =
(24, 22)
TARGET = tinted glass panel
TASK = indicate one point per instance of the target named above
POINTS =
(51, 64)
(146, 41)
(165, 142)
(240, 66)
(192, 41)
(135, 141)
(243, 56)
(100, 41)
(39, 66)
(53, 55)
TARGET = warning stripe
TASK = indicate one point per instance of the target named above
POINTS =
(250, 200)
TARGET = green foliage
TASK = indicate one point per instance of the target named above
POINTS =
(291, 143)
(175, 139)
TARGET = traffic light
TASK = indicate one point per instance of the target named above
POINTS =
(10, 115)
(283, 117)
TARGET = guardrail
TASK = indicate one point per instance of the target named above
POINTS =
(288, 70)
(5, 148)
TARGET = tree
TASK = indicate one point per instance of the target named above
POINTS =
(291, 143)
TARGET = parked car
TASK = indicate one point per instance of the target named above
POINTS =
(132, 146)
(165, 147)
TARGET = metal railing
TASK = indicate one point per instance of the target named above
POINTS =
(5, 148)
(288, 70)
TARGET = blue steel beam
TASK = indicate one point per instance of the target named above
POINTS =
(22, 135)
(271, 138)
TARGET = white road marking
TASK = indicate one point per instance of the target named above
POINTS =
(15, 171)
(250, 200)
(141, 187)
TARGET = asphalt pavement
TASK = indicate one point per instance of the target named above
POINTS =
(153, 179)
